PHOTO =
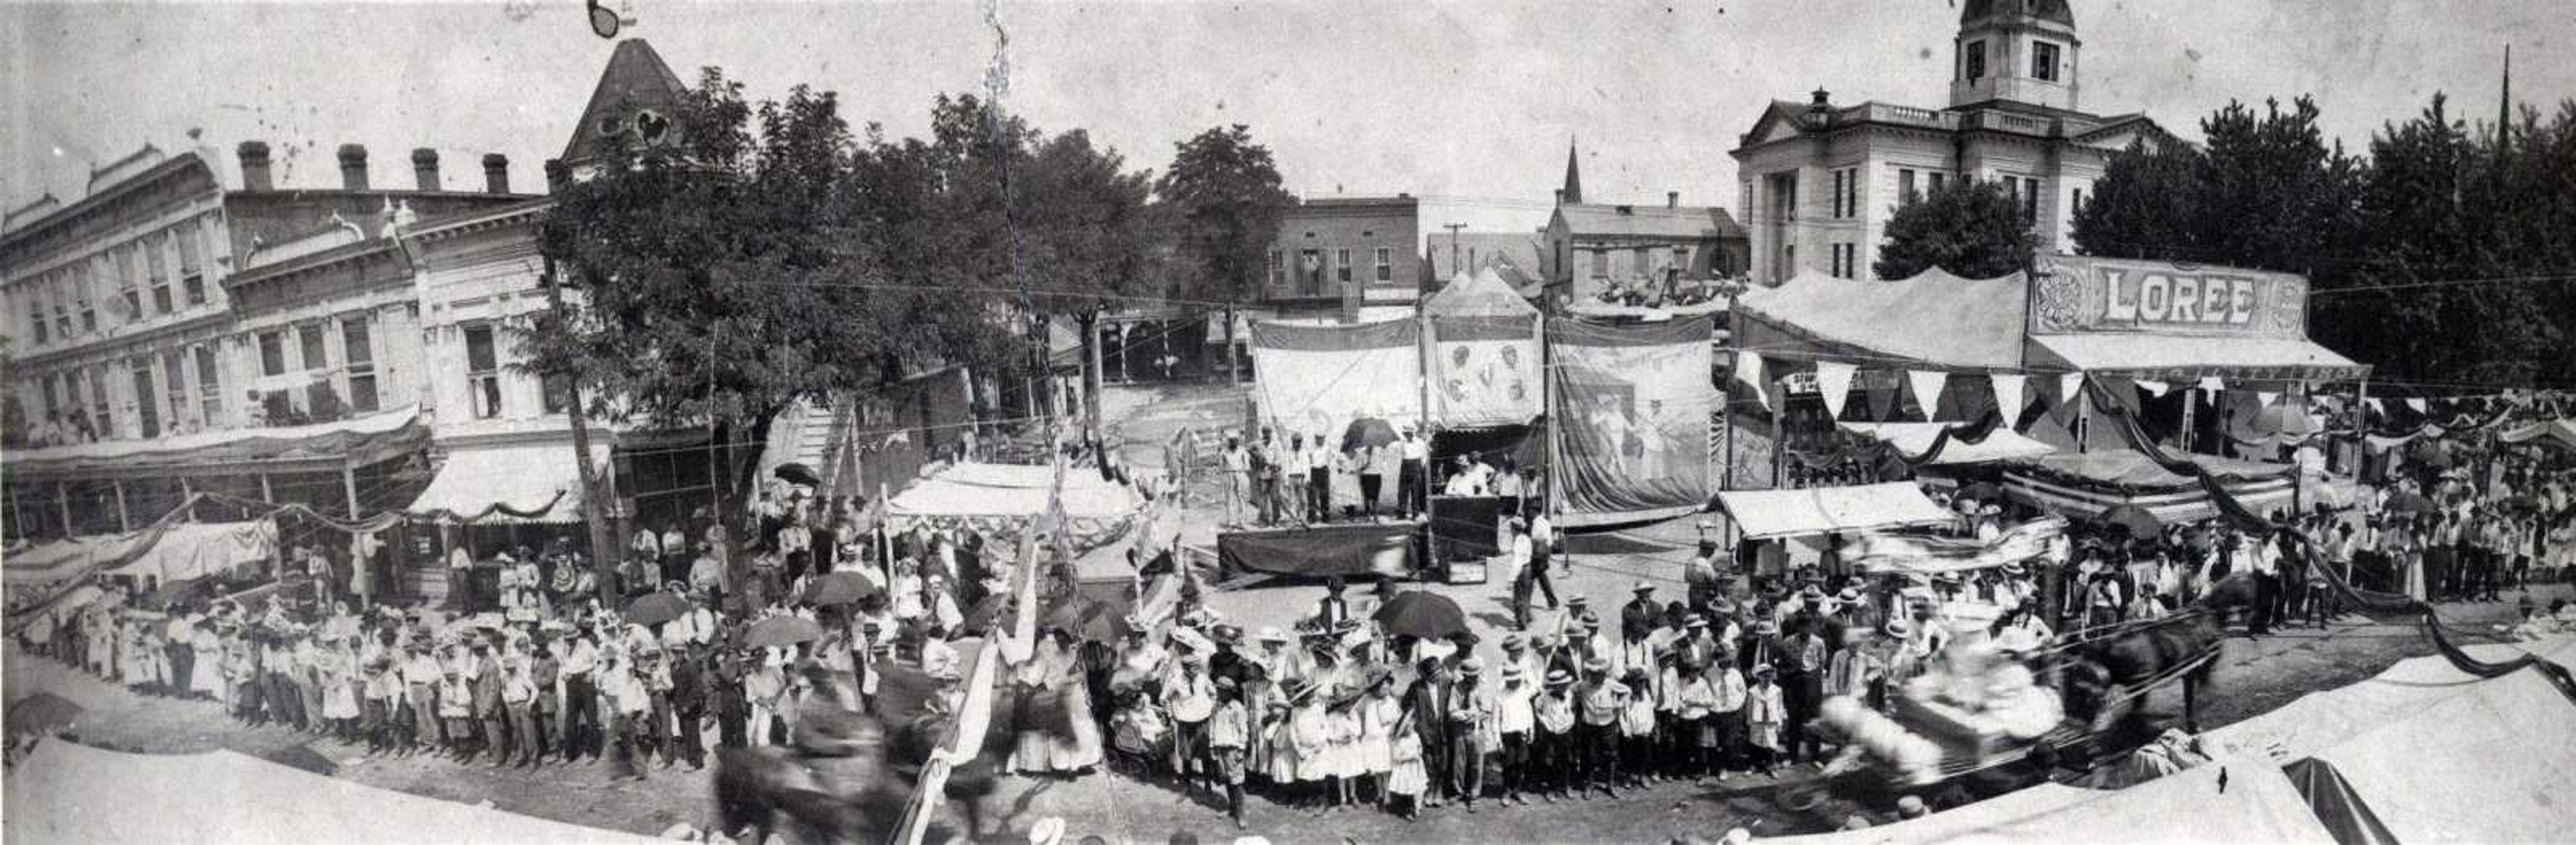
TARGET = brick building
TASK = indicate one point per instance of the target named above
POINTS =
(1344, 253)
(1591, 246)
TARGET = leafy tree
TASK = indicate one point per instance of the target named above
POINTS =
(1225, 199)
(714, 279)
(1971, 229)
(2384, 240)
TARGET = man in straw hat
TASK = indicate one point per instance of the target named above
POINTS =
(1471, 728)
(1515, 717)
(1598, 704)
(1554, 713)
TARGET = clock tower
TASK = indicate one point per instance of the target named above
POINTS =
(2021, 51)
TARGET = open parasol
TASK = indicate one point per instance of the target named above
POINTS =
(656, 608)
(796, 473)
(839, 587)
(1367, 432)
(1418, 613)
(781, 630)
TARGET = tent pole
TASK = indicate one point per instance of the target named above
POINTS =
(1725, 398)
(2083, 418)
(2190, 407)
(264, 494)
(2360, 425)
(63, 503)
(122, 523)
(349, 484)
(1779, 442)
(1422, 384)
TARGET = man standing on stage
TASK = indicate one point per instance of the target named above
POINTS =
(1417, 460)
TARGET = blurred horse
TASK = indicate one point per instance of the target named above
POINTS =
(773, 789)
(2108, 679)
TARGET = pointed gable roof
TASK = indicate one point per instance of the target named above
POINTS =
(636, 79)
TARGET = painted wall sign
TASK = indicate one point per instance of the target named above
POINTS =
(2077, 294)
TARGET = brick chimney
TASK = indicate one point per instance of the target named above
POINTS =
(496, 173)
(1672, 199)
(424, 166)
(558, 175)
(254, 166)
(353, 167)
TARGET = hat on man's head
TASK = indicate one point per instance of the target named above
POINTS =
(1513, 642)
(1642, 587)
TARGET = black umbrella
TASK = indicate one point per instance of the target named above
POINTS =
(42, 712)
(796, 473)
(2138, 520)
(1366, 432)
(656, 608)
(2411, 502)
(839, 587)
(1427, 615)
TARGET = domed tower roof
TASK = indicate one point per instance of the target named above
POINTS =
(2048, 10)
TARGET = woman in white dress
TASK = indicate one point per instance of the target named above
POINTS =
(2409, 550)
(1378, 714)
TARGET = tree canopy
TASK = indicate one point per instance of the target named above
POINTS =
(1970, 228)
(2422, 255)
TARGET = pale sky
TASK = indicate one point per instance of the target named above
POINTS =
(1469, 105)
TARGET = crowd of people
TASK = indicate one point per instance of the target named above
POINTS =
(543, 670)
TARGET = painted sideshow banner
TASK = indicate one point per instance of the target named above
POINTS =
(1633, 408)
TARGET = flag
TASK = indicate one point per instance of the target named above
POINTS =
(1833, 380)
(1927, 390)
(2008, 395)
(1748, 369)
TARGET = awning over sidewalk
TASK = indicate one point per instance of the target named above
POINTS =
(1913, 438)
(518, 483)
(45, 563)
(198, 549)
(358, 441)
(2183, 358)
(1765, 514)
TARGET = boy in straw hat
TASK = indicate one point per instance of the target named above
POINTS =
(1553, 712)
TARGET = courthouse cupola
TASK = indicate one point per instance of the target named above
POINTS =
(2023, 51)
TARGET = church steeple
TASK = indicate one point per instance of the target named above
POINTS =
(1572, 194)
(2504, 106)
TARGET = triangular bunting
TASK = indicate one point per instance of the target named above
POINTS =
(1882, 402)
(2416, 404)
(2212, 384)
(2265, 398)
(2154, 388)
(1833, 380)
(2008, 395)
(1748, 369)
(2069, 385)
(1927, 390)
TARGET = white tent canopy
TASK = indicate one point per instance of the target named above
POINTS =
(1011, 490)
(1765, 514)
(68, 792)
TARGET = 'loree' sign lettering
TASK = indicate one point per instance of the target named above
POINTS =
(2080, 294)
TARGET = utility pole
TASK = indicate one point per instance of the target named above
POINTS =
(1453, 228)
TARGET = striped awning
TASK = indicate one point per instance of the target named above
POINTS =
(2084, 486)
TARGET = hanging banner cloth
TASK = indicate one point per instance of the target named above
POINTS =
(1633, 404)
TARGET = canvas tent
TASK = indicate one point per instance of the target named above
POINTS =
(2559, 433)
(1633, 406)
(1484, 354)
(68, 792)
(1003, 499)
(1770, 514)
(2240, 799)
